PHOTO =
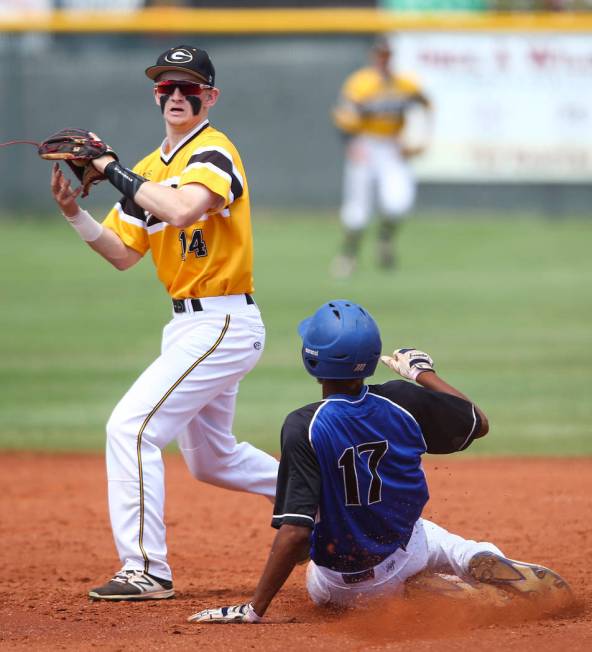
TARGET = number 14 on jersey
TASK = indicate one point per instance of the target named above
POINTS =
(197, 245)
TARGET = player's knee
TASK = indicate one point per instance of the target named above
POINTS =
(317, 591)
(112, 426)
(397, 206)
(354, 221)
(400, 209)
(206, 473)
(118, 427)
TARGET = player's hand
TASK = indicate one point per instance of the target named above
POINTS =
(63, 193)
(408, 363)
(240, 613)
(357, 152)
(411, 152)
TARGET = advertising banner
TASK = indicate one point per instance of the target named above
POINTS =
(507, 107)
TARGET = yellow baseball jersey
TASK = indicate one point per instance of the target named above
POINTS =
(213, 256)
(373, 104)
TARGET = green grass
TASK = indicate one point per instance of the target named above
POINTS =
(502, 304)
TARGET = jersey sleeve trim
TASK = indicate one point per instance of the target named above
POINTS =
(219, 161)
(130, 219)
(469, 438)
(114, 222)
(358, 400)
(226, 154)
(278, 520)
(314, 416)
(152, 225)
(168, 158)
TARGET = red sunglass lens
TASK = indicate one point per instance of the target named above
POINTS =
(187, 87)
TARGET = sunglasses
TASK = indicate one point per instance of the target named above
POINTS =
(168, 86)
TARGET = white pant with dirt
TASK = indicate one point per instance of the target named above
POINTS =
(188, 393)
(431, 547)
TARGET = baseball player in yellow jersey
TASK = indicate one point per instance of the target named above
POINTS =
(188, 204)
(372, 113)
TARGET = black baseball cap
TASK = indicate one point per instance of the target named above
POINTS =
(187, 59)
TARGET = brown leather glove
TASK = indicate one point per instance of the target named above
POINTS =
(78, 148)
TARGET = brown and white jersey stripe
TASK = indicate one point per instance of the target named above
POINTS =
(218, 160)
(374, 105)
(214, 256)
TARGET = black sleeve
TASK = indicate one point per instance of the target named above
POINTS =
(448, 423)
(299, 478)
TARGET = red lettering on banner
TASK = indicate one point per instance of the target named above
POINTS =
(547, 58)
(447, 59)
(553, 159)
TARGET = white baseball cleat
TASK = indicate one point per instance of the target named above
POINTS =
(528, 580)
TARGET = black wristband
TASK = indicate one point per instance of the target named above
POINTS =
(126, 181)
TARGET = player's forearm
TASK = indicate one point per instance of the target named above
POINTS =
(100, 239)
(110, 246)
(346, 119)
(169, 204)
(431, 380)
(179, 207)
(289, 547)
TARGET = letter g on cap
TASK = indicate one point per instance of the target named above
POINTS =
(179, 56)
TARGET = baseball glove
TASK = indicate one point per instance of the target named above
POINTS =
(78, 148)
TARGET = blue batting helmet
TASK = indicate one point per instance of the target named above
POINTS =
(340, 341)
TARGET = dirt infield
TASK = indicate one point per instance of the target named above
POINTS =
(56, 543)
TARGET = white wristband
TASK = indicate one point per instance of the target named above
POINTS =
(88, 228)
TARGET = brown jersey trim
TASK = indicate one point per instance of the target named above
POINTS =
(222, 163)
(195, 135)
(129, 207)
(147, 420)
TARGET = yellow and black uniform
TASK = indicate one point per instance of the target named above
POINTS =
(214, 337)
(373, 104)
(213, 256)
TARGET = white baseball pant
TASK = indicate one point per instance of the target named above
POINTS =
(375, 169)
(188, 393)
(431, 547)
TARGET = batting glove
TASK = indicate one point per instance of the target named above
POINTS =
(408, 363)
(240, 613)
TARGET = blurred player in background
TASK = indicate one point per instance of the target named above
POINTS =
(375, 112)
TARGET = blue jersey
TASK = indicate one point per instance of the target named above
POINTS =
(373, 487)
(351, 468)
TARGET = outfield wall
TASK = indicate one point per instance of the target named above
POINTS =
(276, 96)
(277, 93)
